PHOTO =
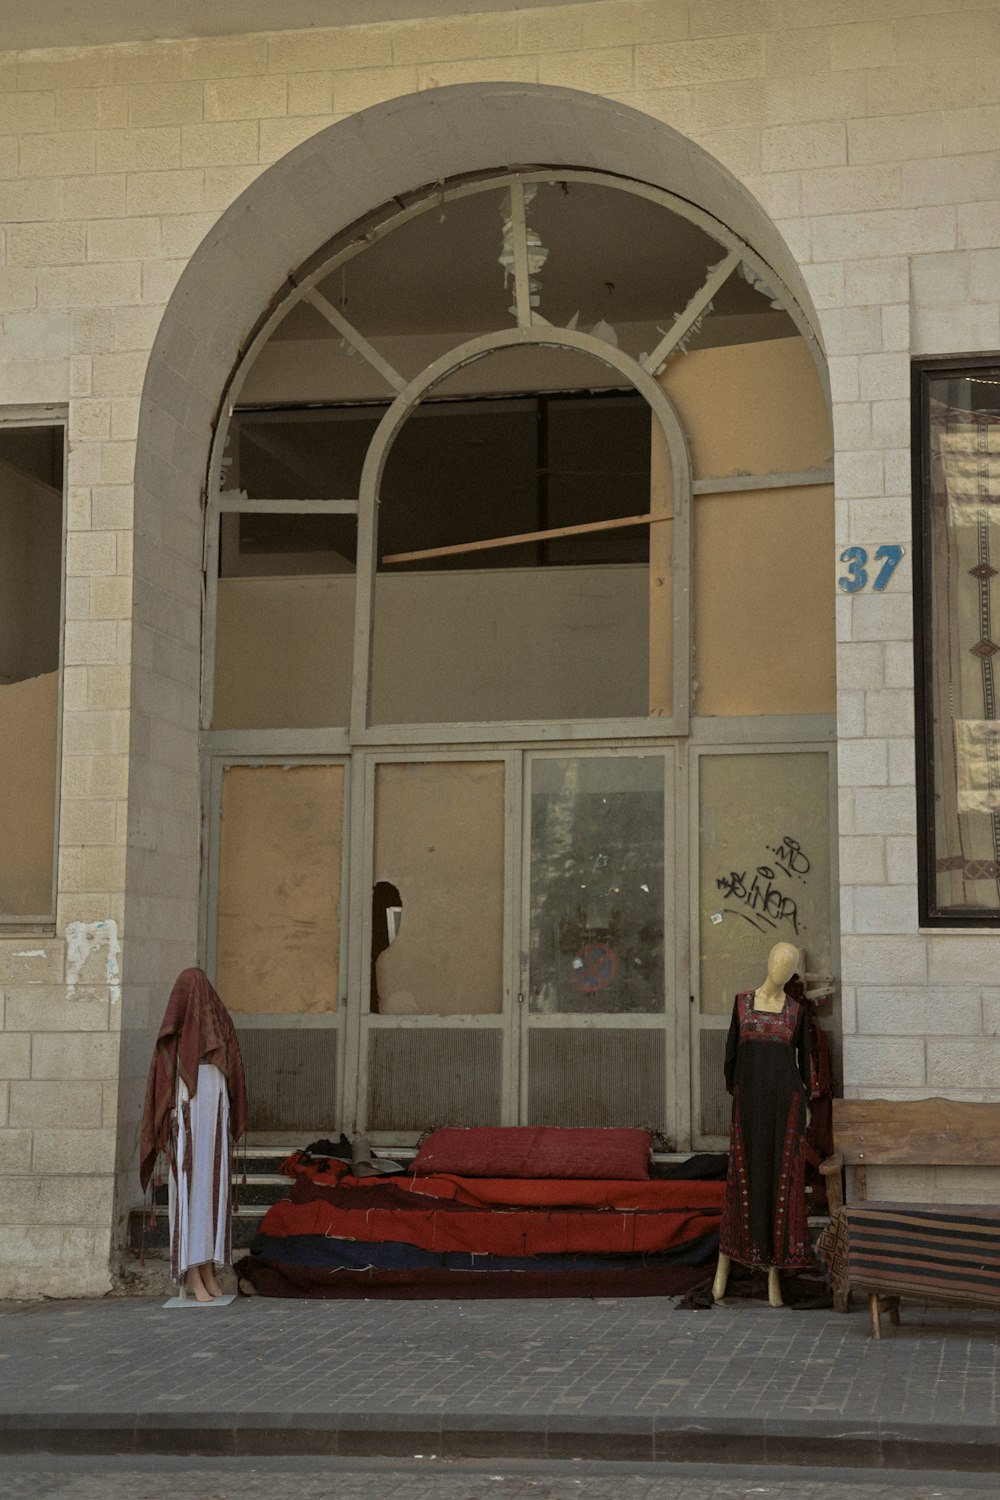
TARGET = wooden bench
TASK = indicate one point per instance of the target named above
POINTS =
(935, 1251)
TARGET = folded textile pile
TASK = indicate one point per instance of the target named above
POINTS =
(476, 1215)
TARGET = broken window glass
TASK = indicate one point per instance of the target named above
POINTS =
(300, 454)
(552, 620)
(619, 266)
(439, 851)
(597, 884)
(429, 284)
(31, 527)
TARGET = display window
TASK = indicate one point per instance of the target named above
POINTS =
(957, 521)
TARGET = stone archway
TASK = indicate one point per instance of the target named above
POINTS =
(298, 204)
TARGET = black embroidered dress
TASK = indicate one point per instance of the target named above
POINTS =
(767, 1073)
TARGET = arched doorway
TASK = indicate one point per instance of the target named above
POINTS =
(497, 748)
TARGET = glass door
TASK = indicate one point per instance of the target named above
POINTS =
(435, 949)
(765, 871)
(597, 1017)
(276, 944)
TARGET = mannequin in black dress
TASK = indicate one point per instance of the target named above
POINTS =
(767, 1073)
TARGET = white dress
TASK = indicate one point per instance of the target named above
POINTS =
(200, 1174)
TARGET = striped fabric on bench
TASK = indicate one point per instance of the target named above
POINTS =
(917, 1249)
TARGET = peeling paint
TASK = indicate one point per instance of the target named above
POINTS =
(85, 938)
(30, 953)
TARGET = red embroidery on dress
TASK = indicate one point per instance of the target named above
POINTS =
(791, 1231)
(734, 1237)
(767, 1025)
(791, 1247)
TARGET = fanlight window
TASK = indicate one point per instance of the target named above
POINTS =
(457, 482)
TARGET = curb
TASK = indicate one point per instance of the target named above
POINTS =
(809, 1442)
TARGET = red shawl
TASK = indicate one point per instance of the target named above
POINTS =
(196, 1028)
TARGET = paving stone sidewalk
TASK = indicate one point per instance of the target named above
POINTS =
(631, 1379)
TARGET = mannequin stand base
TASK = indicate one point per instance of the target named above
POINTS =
(223, 1301)
(722, 1281)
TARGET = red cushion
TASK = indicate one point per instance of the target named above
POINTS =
(542, 1151)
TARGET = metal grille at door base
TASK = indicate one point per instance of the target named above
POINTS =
(597, 1076)
(291, 1075)
(716, 1106)
(420, 1080)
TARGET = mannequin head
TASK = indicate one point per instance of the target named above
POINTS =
(782, 961)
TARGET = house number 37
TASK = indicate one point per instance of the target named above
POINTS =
(856, 576)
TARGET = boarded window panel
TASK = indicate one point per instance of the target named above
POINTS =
(764, 609)
(280, 840)
(529, 643)
(30, 622)
(439, 839)
(283, 653)
(284, 620)
(763, 595)
(751, 408)
(27, 794)
(284, 647)
(764, 867)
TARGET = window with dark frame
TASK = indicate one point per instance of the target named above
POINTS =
(956, 411)
(31, 573)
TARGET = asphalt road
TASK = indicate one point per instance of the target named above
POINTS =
(48, 1478)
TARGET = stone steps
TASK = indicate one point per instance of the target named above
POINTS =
(148, 1232)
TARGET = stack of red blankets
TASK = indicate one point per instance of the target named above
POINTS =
(516, 1212)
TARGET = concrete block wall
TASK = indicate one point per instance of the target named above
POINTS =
(867, 129)
(60, 1000)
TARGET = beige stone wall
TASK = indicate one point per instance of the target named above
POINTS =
(868, 130)
(59, 1004)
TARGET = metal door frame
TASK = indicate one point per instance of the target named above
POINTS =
(673, 1020)
(362, 1020)
(214, 765)
(816, 735)
(362, 744)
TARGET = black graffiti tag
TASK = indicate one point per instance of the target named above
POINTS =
(762, 903)
(790, 857)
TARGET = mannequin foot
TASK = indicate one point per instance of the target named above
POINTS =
(195, 1285)
(774, 1287)
(721, 1278)
(208, 1277)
